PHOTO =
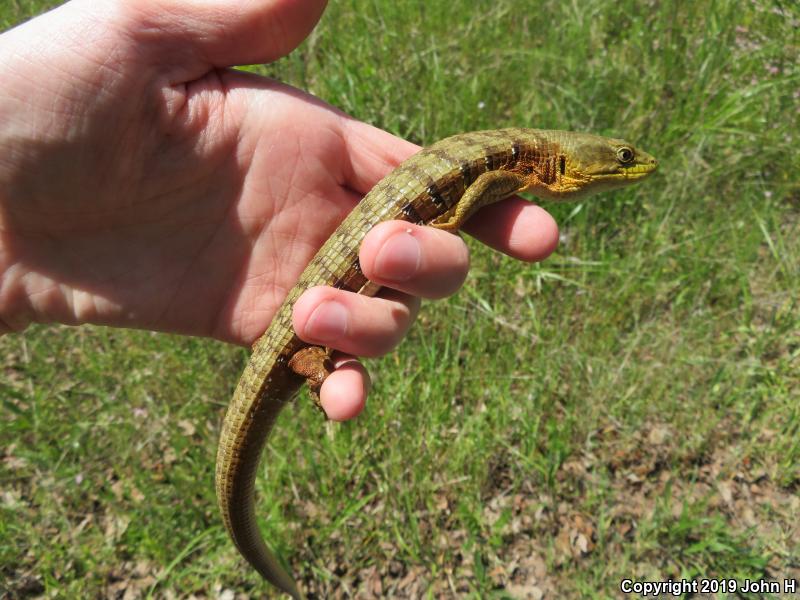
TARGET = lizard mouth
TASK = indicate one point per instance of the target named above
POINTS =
(642, 169)
(632, 173)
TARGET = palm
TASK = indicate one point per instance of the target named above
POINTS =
(297, 171)
(211, 199)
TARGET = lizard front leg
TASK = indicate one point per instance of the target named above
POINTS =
(488, 188)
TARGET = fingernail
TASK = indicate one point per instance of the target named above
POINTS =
(328, 323)
(399, 257)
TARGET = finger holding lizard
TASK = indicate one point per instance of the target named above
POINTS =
(410, 262)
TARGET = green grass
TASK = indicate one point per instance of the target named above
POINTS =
(629, 408)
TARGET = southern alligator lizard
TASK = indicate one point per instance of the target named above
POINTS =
(440, 186)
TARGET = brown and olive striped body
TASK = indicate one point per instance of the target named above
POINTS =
(422, 190)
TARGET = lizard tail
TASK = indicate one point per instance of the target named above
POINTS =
(244, 435)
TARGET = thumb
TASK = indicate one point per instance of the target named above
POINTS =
(196, 35)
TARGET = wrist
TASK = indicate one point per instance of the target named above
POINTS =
(27, 293)
(30, 288)
(15, 308)
(25, 132)
(15, 312)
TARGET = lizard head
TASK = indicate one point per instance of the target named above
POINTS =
(593, 163)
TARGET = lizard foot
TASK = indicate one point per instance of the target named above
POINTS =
(314, 363)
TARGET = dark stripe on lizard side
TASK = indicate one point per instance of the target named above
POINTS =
(431, 189)
(438, 205)
(546, 171)
(352, 281)
(410, 213)
(392, 194)
(434, 194)
(466, 173)
(459, 166)
(490, 159)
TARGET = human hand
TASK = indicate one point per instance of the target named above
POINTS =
(145, 184)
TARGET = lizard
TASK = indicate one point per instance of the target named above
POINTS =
(440, 186)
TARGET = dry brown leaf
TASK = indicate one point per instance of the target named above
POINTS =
(187, 427)
(115, 526)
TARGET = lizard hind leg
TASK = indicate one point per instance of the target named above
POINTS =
(488, 188)
(315, 364)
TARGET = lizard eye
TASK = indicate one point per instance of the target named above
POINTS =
(624, 155)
